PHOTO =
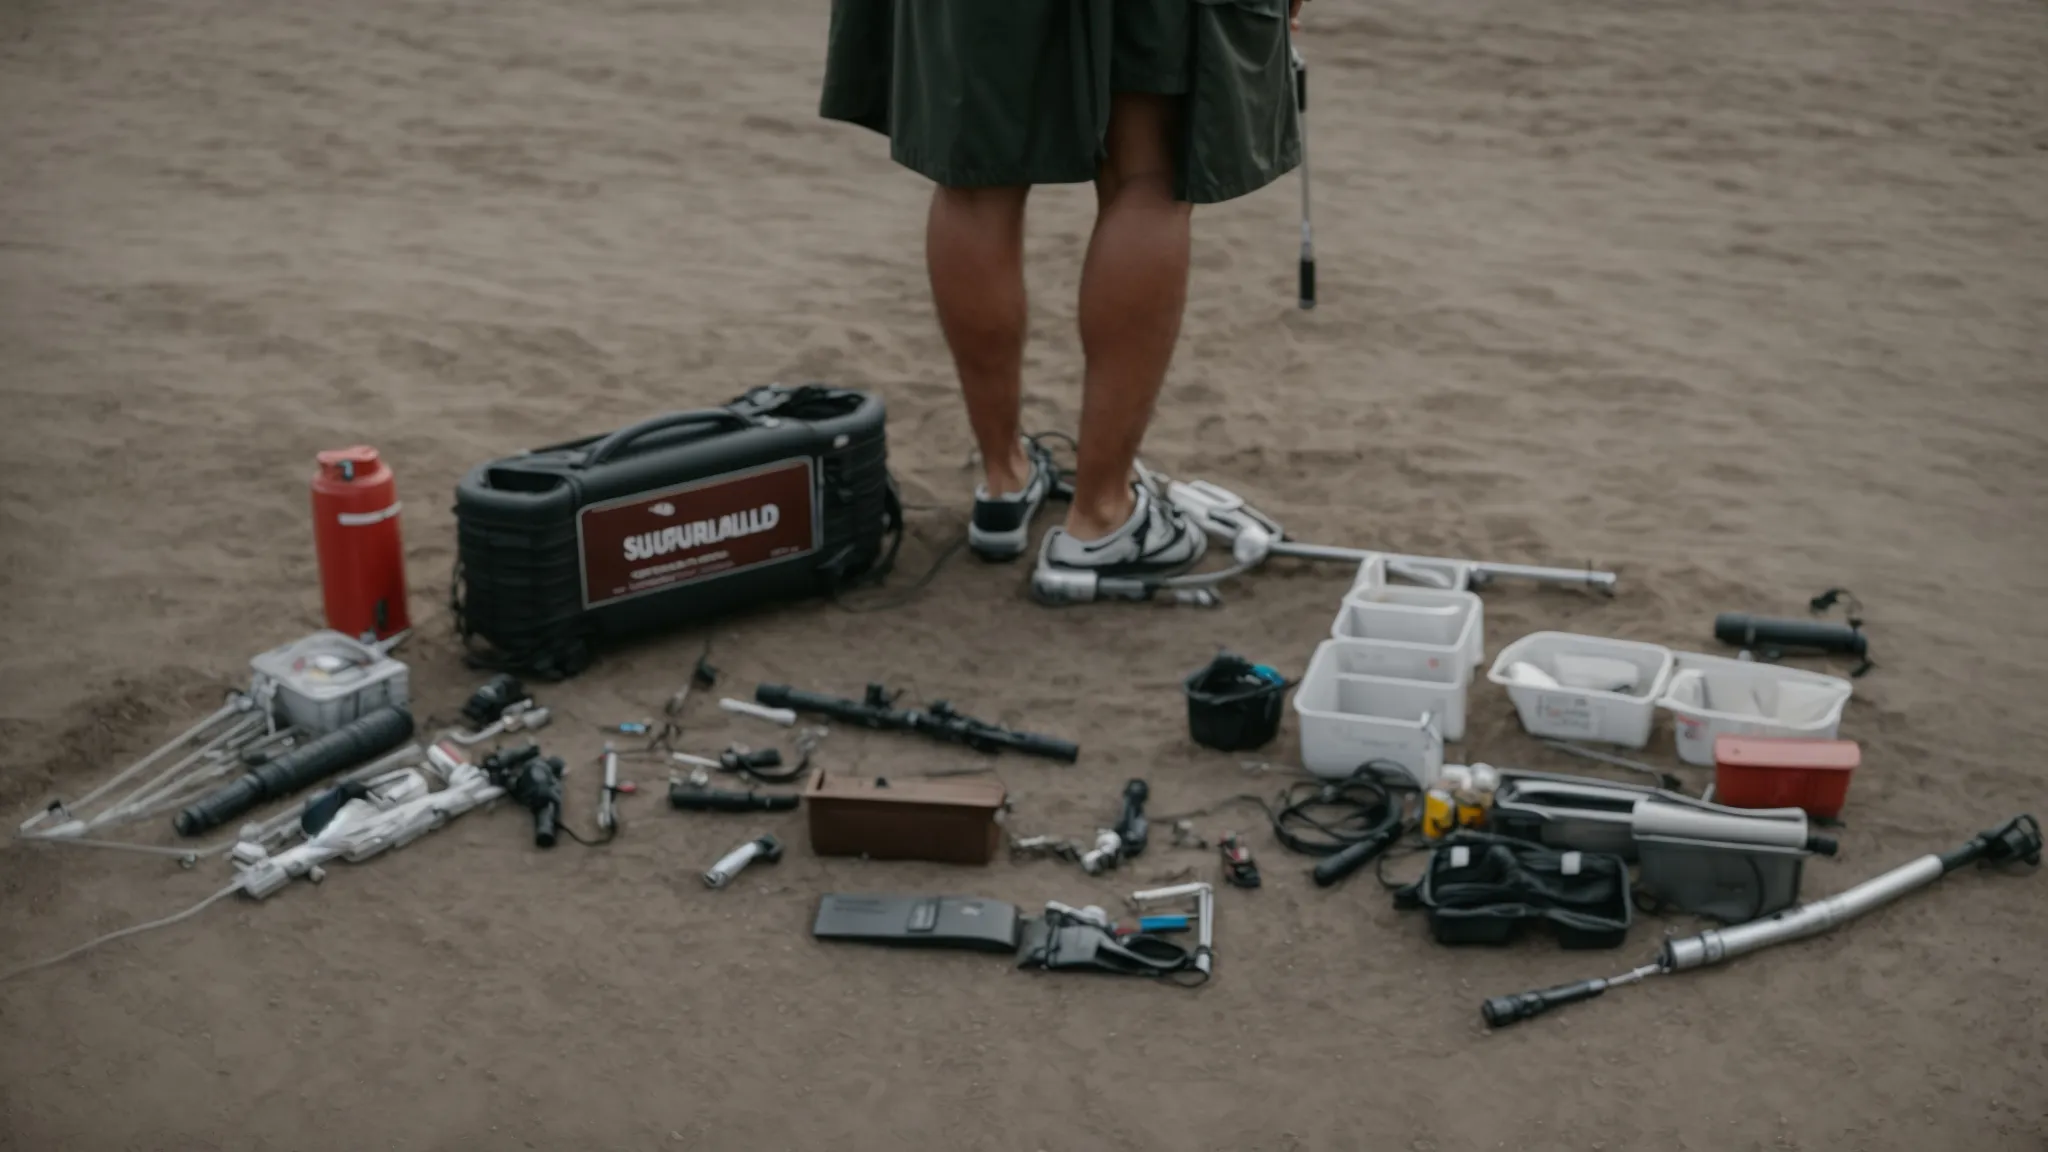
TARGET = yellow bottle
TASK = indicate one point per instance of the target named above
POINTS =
(1439, 814)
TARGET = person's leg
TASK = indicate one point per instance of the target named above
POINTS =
(1133, 289)
(974, 249)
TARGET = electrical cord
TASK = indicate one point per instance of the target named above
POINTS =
(136, 930)
(1323, 818)
(1062, 488)
(1344, 822)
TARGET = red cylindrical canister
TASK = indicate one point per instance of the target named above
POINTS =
(355, 533)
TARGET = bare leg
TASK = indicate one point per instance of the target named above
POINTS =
(1133, 288)
(974, 249)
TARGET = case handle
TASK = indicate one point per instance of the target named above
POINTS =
(616, 443)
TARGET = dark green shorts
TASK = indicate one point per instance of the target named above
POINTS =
(979, 93)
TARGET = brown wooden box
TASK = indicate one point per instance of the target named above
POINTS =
(905, 817)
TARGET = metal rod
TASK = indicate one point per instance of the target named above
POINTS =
(236, 703)
(1482, 570)
(124, 811)
(1307, 273)
(2018, 840)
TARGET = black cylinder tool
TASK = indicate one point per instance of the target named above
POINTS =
(362, 739)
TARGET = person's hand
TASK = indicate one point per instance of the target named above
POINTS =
(1294, 14)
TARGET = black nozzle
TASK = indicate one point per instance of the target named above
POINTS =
(748, 761)
(1132, 827)
(2018, 839)
(535, 782)
(490, 701)
(1500, 1011)
(771, 849)
(1331, 869)
(1825, 845)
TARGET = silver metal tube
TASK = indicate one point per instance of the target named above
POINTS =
(1812, 919)
(607, 807)
(729, 865)
(236, 703)
(1482, 570)
(131, 806)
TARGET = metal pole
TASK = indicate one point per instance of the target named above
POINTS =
(1482, 569)
(1308, 231)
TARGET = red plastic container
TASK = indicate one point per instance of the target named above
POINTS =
(355, 533)
(1784, 772)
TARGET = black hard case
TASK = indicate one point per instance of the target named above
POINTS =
(521, 584)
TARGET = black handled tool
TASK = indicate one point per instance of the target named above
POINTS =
(1331, 869)
(533, 780)
(360, 740)
(939, 721)
(1131, 828)
(1503, 1010)
(687, 797)
(2016, 841)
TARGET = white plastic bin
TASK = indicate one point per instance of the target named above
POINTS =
(1711, 696)
(1414, 616)
(1347, 721)
(1439, 670)
(1376, 570)
(1573, 708)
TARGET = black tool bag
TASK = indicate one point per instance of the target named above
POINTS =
(1482, 889)
(782, 494)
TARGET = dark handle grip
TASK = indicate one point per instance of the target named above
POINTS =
(544, 819)
(1334, 868)
(1300, 84)
(685, 798)
(1308, 282)
(1744, 630)
(783, 696)
(616, 443)
(765, 758)
(1050, 747)
(360, 740)
(1501, 1011)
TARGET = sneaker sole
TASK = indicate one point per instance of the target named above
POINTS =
(997, 547)
(1142, 571)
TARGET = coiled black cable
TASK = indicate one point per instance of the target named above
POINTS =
(1323, 818)
(1346, 822)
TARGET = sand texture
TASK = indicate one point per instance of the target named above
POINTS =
(1742, 299)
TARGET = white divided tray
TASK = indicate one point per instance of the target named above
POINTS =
(1348, 720)
(1440, 671)
(1414, 616)
(1585, 687)
(1710, 696)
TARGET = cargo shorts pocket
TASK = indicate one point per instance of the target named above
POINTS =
(1241, 125)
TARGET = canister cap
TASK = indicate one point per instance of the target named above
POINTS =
(348, 463)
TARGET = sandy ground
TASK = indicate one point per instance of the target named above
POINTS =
(1742, 299)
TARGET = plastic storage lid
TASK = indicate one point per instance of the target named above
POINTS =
(1787, 752)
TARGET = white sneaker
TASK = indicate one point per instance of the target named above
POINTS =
(1157, 540)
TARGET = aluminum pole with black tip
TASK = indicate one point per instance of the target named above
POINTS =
(1308, 232)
